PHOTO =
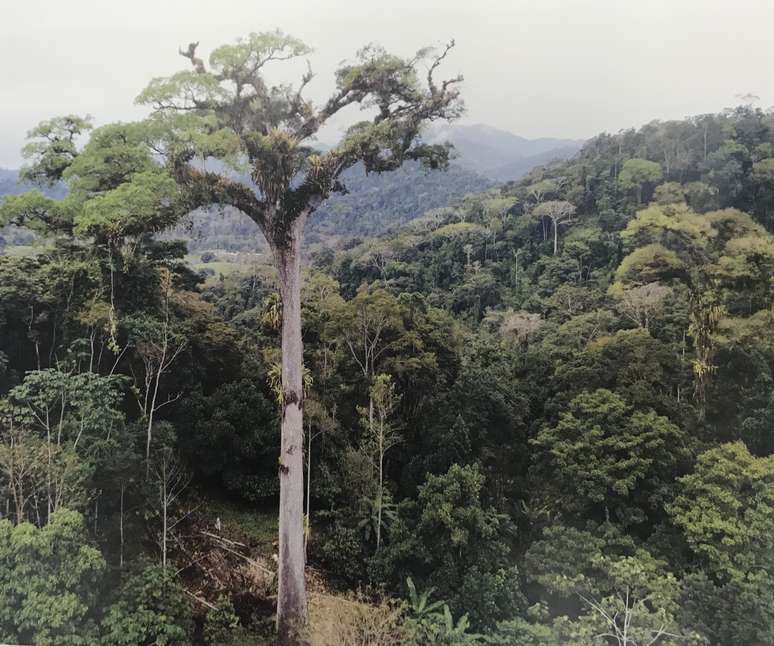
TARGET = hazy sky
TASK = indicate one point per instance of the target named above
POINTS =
(564, 68)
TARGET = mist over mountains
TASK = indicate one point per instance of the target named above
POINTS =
(10, 185)
(501, 156)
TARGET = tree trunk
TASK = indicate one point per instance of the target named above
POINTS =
(556, 236)
(291, 594)
(308, 517)
(163, 487)
(121, 528)
(379, 495)
(149, 431)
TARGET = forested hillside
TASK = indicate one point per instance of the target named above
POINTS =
(540, 415)
(373, 204)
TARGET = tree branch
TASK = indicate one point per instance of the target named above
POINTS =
(190, 54)
(206, 189)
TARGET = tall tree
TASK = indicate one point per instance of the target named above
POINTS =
(227, 110)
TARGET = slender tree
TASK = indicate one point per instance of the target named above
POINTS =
(382, 437)
(169, 479)
(558, 212)
(227, 110)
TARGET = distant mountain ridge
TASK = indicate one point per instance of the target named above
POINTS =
(10, 185)
(499, 155)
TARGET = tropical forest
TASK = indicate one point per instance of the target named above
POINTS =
(427, 383)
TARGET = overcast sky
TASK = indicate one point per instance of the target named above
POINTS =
(561, 68)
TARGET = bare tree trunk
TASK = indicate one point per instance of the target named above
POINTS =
(291, 594)
(379, 495)
(121, 528)
(149, 431)
(556, 236)
(163, 486)
(308, 517)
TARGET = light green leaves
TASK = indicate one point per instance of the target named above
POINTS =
(250, 54)
(145, 203)
(37, 212)
(52, 148)
(49, 578)
(726, 510)
(187, 89)
(602, 451)
(638, 172)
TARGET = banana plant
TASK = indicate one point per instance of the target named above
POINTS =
(433, 622)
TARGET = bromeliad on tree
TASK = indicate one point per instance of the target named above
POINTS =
(226, 110)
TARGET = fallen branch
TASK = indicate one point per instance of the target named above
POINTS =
(221, 538)
(239, 554)
(201, 601)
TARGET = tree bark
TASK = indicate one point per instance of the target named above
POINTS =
(381, 489)
(163, 487)
(291, 594)
(121, 528)
(308, 517)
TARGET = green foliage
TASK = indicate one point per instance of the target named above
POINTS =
(603, 452)
(638, 172)
(131, 209)
(222, 627)
(79, 407)
(520, 632)
(432, 622)
(725, 509)
(739, 611)
(450, 542)
(233, 438)
(52, 148)
(50, 577)
(673, 226)
(622, 591)
(150, 608)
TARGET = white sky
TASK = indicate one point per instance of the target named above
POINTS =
(564, 68)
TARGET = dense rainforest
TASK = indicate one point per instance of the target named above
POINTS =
(540, 414)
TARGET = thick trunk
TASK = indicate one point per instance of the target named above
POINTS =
(556, 236)
(291, 595)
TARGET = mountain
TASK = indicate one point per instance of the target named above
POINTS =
(9, 182)
(9, 185)
(501, 156)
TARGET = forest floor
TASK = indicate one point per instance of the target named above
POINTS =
(252, 525)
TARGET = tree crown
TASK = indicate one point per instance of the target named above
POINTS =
(228, 111)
